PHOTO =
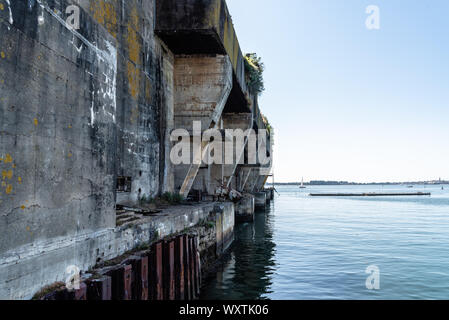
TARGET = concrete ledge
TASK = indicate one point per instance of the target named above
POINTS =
(30, 268)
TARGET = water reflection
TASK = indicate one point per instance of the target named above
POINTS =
(246, 273)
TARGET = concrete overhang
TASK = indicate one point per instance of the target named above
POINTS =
(204, 27)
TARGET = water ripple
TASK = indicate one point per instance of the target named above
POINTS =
(319, 248)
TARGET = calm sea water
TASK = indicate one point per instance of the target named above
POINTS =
(320, 248)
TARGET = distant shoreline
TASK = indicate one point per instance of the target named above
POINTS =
(429, 183)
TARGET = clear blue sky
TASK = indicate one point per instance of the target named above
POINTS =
(348, 103)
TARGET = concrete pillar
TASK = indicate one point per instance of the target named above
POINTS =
(245, 208)
(167, 177)
(202, 86)
(234, 124)
(261, 200)
(268, 194)
(224, 227)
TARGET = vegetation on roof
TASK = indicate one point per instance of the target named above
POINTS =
(254, 69)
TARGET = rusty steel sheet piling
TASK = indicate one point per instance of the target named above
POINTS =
(156, 273)
(99, 289)
(80, 293)
(169, 270)
(179, 268)
(77, 294)
(187, 269)
(197, 267)
(139, 277)
(192, 257)
(121, 282)
(143, 293)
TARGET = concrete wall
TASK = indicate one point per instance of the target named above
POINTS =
(58, 113)
(77, 109)
(144, 93)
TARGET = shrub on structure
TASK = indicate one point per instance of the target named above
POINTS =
(267, 124)
(254, 69)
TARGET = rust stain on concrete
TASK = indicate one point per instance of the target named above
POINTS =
(7, 174)
(104, 13)
(134, 48)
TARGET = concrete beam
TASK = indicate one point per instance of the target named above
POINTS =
(202, 27)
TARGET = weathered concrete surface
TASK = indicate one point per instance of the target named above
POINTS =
(202, 87)
(200, 27)
(144, 94)
(225, 221)
(235, 124)
(268, 196)
(79, 108)
(245, 209)
(261, 200)
(29, 268)
(57, 121)
(250, 175)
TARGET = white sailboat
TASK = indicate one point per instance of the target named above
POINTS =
(302, 184)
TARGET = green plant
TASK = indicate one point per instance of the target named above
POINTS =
(172, 198)
(146, 200)
(254, 69)
(267, 124)
(206, 224)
